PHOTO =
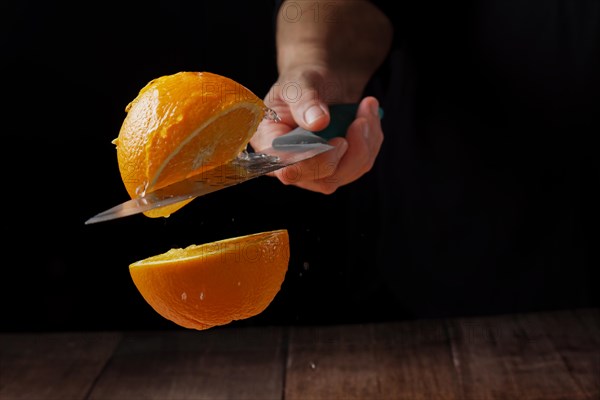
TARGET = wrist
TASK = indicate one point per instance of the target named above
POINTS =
(344, 42)
(321, 82)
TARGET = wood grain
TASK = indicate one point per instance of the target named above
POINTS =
(53, 366)
(542, 356)
(382, 361)
(516, 357)
(214, 364)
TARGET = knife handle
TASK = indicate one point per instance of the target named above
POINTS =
(342, 116)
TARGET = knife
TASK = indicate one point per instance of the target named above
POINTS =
(291, 148)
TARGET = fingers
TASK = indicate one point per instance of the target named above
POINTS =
(365, 138)
(297, 103)
(311, 114)
(304, 101)
(306, 174)
(300, 101)
(266, 132)
(352, 157)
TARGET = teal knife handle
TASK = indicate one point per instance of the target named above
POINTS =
(342, 116)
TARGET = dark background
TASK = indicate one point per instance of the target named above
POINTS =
(69, 72)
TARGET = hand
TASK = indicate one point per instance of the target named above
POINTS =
(352, 157)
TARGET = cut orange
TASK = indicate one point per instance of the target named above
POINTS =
(202, 286)
(181, 125)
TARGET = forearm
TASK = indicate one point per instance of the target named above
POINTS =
(346, 38)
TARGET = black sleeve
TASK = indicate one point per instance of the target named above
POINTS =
(394, 13)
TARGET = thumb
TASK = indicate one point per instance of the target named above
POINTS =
(307, 109)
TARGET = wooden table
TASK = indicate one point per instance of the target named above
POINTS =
(549, 355)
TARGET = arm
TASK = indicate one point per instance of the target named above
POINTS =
(326, 53)
(347, 39)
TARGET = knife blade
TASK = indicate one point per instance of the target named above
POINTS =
(301, 146)
(286, 150)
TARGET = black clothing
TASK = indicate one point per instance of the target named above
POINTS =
(484, 198)
(488, 175)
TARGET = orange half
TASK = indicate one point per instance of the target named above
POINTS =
(181, 125)
(202, 286)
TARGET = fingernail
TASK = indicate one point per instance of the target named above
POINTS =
(313, 114)
(342, 149)
(366, 130)
(375, 109)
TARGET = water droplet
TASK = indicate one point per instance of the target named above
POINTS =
(184, 296)
(312, 365)
(239, 283)
(141, 190)
(201, 295)
(244, 155)
(271, 115)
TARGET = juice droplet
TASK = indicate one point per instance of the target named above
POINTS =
(271, 115)
(140, 191)
(244, 155)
